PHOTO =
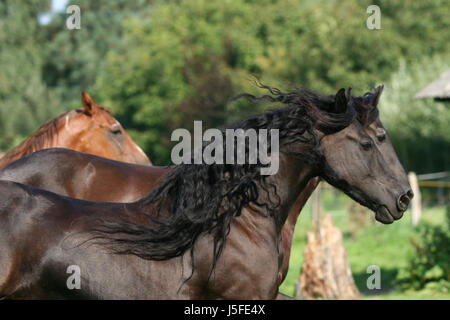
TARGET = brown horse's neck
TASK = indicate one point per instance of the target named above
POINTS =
(43, 138)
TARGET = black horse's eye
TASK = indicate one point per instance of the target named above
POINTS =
(380, 134)
(381, 137)
(366, 144)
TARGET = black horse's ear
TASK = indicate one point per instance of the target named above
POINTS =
(348, 94)
(340, 101)
(376, 95)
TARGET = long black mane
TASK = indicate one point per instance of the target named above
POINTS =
(196, 199)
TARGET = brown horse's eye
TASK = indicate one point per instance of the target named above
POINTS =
(116, 131)
(366, 144)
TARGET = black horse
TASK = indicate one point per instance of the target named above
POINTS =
(88, 177)
(208, 231)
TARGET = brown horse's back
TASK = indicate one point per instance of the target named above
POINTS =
(83, 176)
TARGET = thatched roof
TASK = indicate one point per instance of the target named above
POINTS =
(438, 89)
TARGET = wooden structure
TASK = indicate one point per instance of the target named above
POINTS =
(438, 90)
(325, 272)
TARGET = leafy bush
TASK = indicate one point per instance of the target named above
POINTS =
(417, 126)
(429, 267)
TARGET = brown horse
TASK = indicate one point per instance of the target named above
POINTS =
(196, 209)
(87, 177)
(91, 129)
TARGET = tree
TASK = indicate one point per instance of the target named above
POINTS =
(74, 58)
(25, 101)
(171, 52)
(418, 128)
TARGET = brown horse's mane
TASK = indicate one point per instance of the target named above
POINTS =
(41, 137)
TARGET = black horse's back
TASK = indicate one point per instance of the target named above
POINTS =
(41, 237)
(19, 212)
(31, 222)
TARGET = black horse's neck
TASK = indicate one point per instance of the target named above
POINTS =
(196, 199)
(291, 179)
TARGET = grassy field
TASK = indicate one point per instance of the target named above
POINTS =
(367, 243)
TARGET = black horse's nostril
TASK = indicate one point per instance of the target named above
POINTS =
(403, 201)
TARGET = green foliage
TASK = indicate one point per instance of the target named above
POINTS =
(429, 267)
(418, 127)
(162, 64)
(25, 101)
(74, 58)
(183, 59)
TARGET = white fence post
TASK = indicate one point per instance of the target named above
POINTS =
(416, 202)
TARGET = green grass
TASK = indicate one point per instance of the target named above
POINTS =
(410, 295)
(369, 243)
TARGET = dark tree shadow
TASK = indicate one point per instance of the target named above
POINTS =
(388, 283)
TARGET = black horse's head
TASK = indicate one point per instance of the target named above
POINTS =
(361, 161)
(369, 116)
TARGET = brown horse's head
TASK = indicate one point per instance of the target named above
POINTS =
(361, 161)
(93, 130)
